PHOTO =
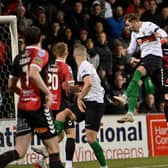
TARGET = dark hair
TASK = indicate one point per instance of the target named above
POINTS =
(32, 35)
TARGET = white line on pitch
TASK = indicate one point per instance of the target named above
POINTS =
(150, 166)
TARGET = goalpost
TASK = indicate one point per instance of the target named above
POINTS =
(9, 39)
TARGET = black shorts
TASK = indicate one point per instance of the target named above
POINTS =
(92, 115)
(67, 124)
(40, 122)
(153, 65)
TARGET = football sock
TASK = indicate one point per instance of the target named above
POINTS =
(69, 150)
(132, 91)
(149, 86)
(8, 157)
(59, 126)
(54, 161)
(98, 151)
(68, 164)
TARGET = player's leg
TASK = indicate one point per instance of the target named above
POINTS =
(70, 143)
(45, 130)
(91, 136)
(132, 93)
(53, 151)
(150, 92)
(63, 116)
(23, 140)
(22, 144)
(94, 113)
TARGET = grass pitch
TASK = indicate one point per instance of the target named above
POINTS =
(156, 162)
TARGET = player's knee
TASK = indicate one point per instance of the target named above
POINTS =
(60, 116)
(90, 139)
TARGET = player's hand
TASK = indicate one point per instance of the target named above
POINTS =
(134, 61)
(81, 105)
(48, 100)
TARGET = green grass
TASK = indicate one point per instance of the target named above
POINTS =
(157, 162)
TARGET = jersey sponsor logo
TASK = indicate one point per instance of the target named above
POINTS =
(146, 39)
(38, 60)
(41, 130)
(41, 53)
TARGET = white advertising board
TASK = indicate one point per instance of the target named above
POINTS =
(118, 140)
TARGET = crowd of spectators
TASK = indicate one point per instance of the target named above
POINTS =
(100, 26)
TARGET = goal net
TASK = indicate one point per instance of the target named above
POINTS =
(8, 50)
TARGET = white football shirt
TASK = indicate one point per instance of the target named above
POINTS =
(96, 92)
(146, 40)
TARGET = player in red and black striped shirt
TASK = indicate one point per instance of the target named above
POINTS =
(34, 100)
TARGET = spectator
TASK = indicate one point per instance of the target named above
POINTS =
(83, 36)
(165, 16)
(152, 14)
(105, 53)
(23, 22)
(10, 7)
(98, 28)
(68, 38)
(131, 8)
(125, 37)
(36, 7)
(42, 23)
(120, 60)
(117, 89)
(116, 23)
(93, 56)
(53, 36)
(60, 18)
(77, 19)
(102, 72)
(95, 17)
(65, 6)
(106, 8)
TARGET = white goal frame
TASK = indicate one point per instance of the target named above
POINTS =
(12, 21)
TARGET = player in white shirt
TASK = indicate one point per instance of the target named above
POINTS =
(89, 105)
(147, 35)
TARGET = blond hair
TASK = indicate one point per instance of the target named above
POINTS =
(60, 49)
(80, 50)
